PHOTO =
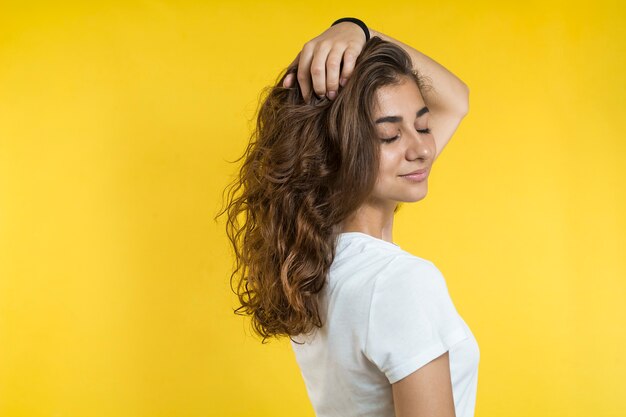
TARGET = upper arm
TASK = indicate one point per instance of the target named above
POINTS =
(427, 392)
(443, 123)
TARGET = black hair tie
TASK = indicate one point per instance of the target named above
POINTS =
(358, 22)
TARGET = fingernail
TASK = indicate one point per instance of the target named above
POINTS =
(331, 95)
(342, 82)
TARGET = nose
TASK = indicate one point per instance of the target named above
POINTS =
(419, 147)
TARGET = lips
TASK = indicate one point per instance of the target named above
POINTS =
(419, 171)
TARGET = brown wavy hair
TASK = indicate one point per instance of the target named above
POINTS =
(307, 168)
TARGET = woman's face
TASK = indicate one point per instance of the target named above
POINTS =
(402, 117)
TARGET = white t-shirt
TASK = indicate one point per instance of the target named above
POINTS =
(386, 313)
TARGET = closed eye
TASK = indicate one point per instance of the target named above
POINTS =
(389, 140)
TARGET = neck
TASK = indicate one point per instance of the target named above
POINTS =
(372, 218)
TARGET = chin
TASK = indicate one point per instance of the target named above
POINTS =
(419, 196)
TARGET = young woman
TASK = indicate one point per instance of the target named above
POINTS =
(346, 135)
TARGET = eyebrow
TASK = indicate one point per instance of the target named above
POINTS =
(396, 119)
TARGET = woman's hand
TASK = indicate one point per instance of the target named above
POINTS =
(320, 61)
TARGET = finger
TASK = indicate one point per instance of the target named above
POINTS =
(318, 68)
(333, 67)
(304, 68)
(349, 61)
(289, 78)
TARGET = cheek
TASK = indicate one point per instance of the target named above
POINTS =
(388, 163)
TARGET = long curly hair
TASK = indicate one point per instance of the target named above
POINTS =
(307, 167)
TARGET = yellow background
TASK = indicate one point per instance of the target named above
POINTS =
(116, 124)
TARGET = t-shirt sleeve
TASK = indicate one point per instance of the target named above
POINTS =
(412, 318)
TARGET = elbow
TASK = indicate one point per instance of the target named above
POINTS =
(463, 107)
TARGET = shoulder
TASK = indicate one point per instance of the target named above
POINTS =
(410, 273)
(412, 318)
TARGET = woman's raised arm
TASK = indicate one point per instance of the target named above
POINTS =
(451, 95)
(319, 67)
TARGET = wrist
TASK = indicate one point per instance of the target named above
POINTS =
(357, 22)
(375, 33)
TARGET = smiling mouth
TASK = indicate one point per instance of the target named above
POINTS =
(416, 176)
(417, 172)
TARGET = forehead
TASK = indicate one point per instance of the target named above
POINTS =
(403, 96)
